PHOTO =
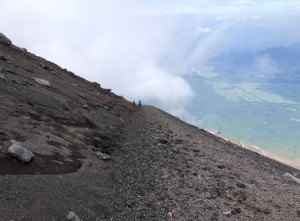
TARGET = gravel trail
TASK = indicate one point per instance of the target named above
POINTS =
(163, 169)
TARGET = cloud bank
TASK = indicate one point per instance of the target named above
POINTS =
(142, 49)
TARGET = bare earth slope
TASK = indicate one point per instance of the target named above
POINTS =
(160, 168)
(54, 121)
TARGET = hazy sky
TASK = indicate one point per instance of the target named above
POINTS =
(142, 49)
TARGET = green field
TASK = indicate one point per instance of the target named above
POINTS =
(265, 115)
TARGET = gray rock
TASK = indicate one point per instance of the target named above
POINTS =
(241, 185)
(20, 152)
(26, 83)
(73, 217)
(85, 107)
(42, 82)
(103, 156)
(4, 40)
(236, 211)
(266, 211)
(3, 57)
(2, 76)
(45, 67)
(295, 179)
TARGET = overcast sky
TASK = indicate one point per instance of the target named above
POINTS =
(142, 49)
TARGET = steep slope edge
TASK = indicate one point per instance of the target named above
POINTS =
(53, 113)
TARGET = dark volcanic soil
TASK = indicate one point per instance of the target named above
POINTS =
(161, 168)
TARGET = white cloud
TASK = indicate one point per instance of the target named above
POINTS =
(151, 82)
(141, 48)
(264, 65)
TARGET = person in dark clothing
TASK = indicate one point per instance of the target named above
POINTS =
(133, 102)
(140, 103)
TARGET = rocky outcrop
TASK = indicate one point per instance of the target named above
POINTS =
(20, 152)
(4, 40)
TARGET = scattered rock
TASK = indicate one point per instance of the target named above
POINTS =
(85, 107)
(4, 40)
(45, 67)
(2, 76)
(26, 83)
(236, 211)
(214, 216)
(103, 156)
(20, 152)
(178, 141)
(266, 211)
(169, 215)
(241, 185)
(298, 213)
(3, 57)
(42, 82)
(130, 204)
(221, 166)
(163, 141)
(226, 213)
(295, 179)
(209, 195)
(73, 217)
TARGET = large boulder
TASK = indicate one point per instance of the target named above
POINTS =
(20, 152)
(4, 40)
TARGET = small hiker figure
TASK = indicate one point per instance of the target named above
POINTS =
(140, 103)
(133, 102)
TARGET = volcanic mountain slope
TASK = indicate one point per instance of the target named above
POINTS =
(54, 121)
(160, 167)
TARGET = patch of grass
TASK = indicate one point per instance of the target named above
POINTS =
(250, 92)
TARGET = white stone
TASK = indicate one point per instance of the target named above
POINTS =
(20, 152)
(73, 217)
(42, 81)
(103, 156)
(295, 179)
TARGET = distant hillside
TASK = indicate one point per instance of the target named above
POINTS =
(278, 64)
